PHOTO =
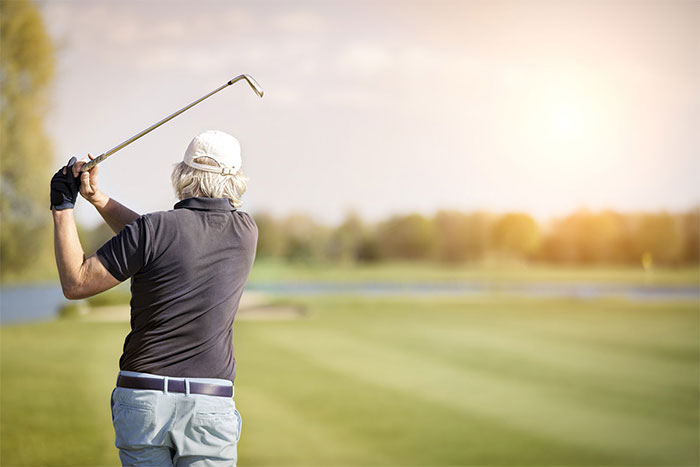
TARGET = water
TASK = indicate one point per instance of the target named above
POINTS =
(532, 289)
(29, 303)
(25, 303)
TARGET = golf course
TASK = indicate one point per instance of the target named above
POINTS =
(484, 379)
(411, 233)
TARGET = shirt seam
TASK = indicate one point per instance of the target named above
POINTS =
(149, 232)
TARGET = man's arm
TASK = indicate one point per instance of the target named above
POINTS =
(115, 214)
(80, 277)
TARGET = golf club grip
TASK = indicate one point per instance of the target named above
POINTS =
(89, 165)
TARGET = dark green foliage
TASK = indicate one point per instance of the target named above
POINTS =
(347, 239)
(462, 237)
(304, 239)
(72, 310)
(406, 237)
(117, 296)
(453, 237)
(270, 236)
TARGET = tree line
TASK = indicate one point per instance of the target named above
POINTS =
(583, 237)
(27, 67)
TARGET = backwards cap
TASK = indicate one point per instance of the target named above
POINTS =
(220, 146)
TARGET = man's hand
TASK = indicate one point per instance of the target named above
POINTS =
(88, 184)
(116, 215)
(64, 187)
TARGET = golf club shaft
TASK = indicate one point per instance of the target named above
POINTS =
(103, 156)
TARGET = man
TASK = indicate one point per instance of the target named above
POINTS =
(173, 401)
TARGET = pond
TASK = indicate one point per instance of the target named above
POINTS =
(35, 302)
(467, 288)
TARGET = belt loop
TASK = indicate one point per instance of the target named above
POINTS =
(187, 386)
(165, 384)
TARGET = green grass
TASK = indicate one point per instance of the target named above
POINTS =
(55, 384)
(271, 270)
(397, 382)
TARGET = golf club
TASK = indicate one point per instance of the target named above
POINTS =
(249, 79)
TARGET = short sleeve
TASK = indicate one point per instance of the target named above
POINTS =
(125, 254)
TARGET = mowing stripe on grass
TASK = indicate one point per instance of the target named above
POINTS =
(296, 436)
(572, 357)
(403, 428)
(527, 406)
(602, 381)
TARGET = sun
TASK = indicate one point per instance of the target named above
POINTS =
(564, 122)
(564, 125)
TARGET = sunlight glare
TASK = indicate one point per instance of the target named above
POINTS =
(564, 122)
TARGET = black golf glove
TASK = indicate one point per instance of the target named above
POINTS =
(64, 187)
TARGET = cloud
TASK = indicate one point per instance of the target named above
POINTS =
(166, 30)
(187, 60)
(145, 23)
(365, 58)
(300, 22)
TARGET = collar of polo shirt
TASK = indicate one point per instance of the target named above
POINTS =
(206, 204)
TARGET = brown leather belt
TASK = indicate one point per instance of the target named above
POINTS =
(174, 385)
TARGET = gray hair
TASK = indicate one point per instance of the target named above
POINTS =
(189, 182)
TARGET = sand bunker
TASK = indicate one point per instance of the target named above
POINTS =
(253, 307)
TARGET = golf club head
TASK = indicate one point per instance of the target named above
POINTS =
(253, 84)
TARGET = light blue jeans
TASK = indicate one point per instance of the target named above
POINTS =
(173, 429)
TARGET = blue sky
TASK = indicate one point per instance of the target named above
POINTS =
(391, 106)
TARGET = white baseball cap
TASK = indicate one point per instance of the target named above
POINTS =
(220, 146)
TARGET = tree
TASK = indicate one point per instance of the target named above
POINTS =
(26, 71)
(346, 240)
(304, 239)
(461, 237)
(270, 236)
(585, 237)
(406, 237)
(660, 236)
(691, 236)
(516, 234)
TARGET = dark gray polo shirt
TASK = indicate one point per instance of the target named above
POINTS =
(188, 267)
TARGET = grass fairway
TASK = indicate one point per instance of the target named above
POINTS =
(363, 381)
